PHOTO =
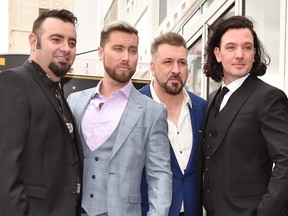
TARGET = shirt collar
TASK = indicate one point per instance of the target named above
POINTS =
(235, 84)
(126, 90)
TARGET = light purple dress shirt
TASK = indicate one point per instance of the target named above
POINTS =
(98, 124)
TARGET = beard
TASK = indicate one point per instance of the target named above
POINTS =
(59, 69)
(119, 77)
(172, 87)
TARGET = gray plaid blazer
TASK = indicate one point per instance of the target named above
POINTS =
(141, 140)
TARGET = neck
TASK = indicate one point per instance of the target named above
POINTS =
(51, 76)
(173, 105)
(110, 86)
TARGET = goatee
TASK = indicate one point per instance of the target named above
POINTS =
(59, 70)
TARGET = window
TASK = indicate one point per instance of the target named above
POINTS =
(166, 6)
(206, 5)
(112, 14)
(194, 67)
(267, 26)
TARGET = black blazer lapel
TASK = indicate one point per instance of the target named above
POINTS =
(45, 88)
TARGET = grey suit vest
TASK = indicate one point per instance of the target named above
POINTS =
(94, 199)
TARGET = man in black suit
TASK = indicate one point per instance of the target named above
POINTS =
(248, 133)
(39, 146)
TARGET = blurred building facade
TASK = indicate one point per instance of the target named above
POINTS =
(190, 18)
(21, 17)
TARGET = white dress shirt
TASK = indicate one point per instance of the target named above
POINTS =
(232, 88)
(181, 135)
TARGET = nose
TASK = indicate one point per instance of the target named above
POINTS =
(65, 46)
(175, 67)
(125, 56)
(239, 53)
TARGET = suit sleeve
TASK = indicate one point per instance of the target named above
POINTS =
(14, 115)
(158, 169)
(274, 127)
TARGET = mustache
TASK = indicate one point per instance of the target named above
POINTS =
(175, 76)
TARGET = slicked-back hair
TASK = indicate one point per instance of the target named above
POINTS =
(214, 69)
(120, 26)
(64, 15)
(170, 38)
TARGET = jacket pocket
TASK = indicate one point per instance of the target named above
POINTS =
(135, 199)
(35, 191)
(248, 190)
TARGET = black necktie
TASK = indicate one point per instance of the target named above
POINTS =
(219, 98)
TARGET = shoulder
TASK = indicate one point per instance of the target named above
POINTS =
(146, 90)
(146, 101)
(264, 88)
(197, 101)
(81, 93)
(75, 97)
(196, 98)
(18, 76)
(13, 71)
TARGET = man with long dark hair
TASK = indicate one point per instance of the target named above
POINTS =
(245, 129)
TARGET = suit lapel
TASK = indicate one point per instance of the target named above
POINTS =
(45, 88)
(132, 112)
(234, 104)
(194, 116)
(82, 103)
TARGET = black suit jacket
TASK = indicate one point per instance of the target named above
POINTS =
(240, 146)
(39, 160)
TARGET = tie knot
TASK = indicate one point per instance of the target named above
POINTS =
(219, 98)
(224, 90)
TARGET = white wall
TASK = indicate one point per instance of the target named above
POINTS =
(4, 21)
(88, 16)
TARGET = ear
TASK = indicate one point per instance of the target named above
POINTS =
(32, 41)
(217, 54)
(100, 53)
(152, 67)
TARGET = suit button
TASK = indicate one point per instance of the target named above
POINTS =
(208, 157)
(73, 191)
(210, 135)
(208, 191)
(208, 146)
(72, 161)
(206, 170)
(91, 195)
(96, 158)
(93, 176)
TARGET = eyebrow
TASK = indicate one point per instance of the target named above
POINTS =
(232, 43)
(61, 36)
(170, 58)
(56, 35)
